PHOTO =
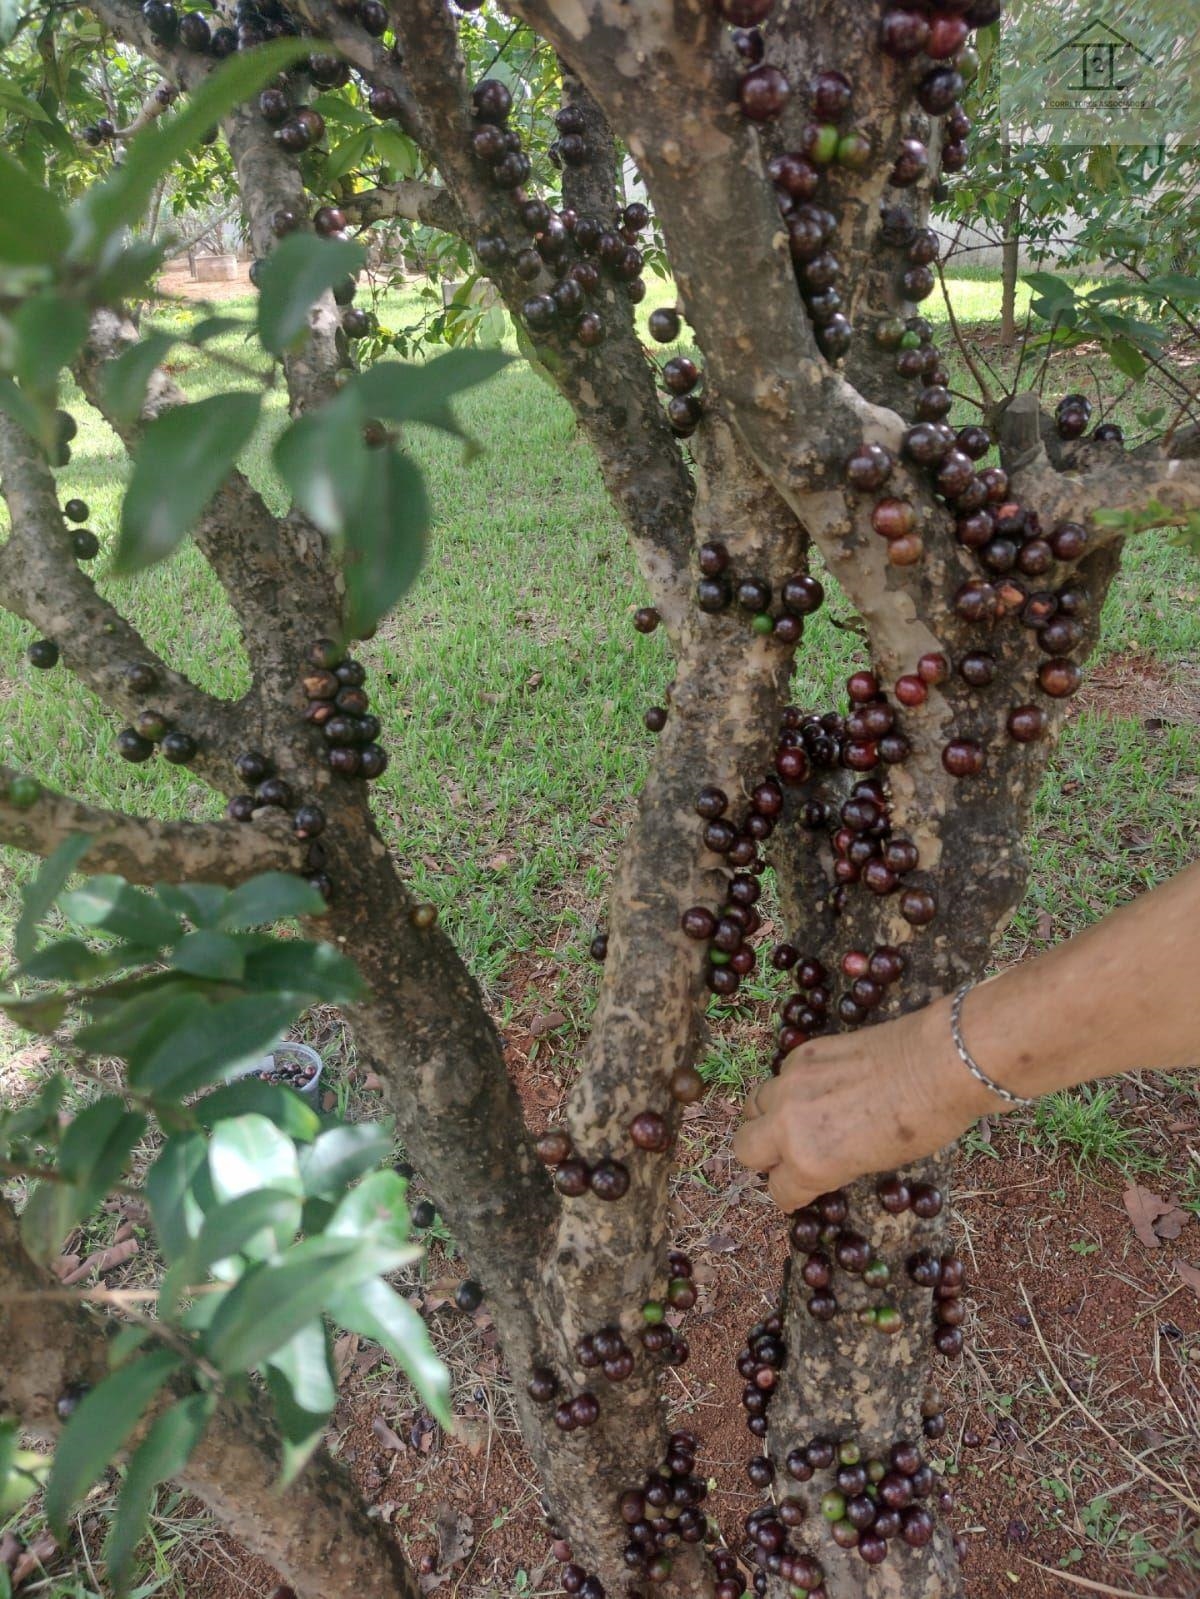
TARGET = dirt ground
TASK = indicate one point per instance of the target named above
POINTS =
(1073, 1444)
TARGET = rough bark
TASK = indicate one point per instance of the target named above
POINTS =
(779, 423)
(146, 850)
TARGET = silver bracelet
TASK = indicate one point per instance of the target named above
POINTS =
(965, 1054)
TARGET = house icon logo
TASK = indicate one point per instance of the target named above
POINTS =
(1099, 59)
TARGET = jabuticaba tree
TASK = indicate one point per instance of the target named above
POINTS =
(790, 151)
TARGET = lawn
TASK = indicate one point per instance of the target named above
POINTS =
(512, 687)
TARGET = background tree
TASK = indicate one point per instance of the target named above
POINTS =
(789, 167)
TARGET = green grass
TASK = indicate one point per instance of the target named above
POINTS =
(512, 688)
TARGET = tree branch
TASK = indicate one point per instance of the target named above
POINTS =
(317, 1535)
(146, 850)
(1113, 481)
(652, 70)
(276, 574)
(611, 388)
(409, 199)
(41, 581)
(269, 180)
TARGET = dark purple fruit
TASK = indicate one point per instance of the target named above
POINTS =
(609, 1180)
(274, 791)
(763, 93)
(133, 747)
(43, 653)
(664, 325)
(178, 748)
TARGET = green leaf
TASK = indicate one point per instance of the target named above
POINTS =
(33, 226)
(269, 897)
(251, 1153)
(396, 391)
(384, 545)
(318, 971)
(272, 1302)
(291, 280)
(174, 1209)
(182, 460)
(38, 1015)
(323, 461)
(37, 1117)
(205, 953)
(22, 1474)
(124, 380)
(300, 1380)
(10, 21)
(38, 896)
(260, 1223)
(136, 1023)
(377, 1208)
(250, 1095)
(199, 1046)
(12, 99)
(110, 903)
(201, 903)
(373, 1310)
(342, 1154)
(16, 404)
(50, 330)
(162, 1453)
(101, 214)
(95, 1147)
(346, 155)
(1127, 359)
(97, 1429)
(48, 1217)
(69, 960)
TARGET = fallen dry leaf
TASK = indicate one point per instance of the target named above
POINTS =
(64, 1265)
(455, 1534)
(720, 1244)
(1190, 1275)
(1172, 1223)
(372, 1082)
(33, 1558)
(344, 1350)
(1045, 926)
(388, 1438)
(546, 1023)
(1144, 1210)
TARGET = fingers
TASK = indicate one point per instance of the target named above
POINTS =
(758, 1101)
(756, 1144)
(787, 1190)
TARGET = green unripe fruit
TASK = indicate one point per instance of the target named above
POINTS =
(888, 1319)
(854, 150)
(718, 957)
(823, 145)
(653, 1312)
(878, 1274)
(23, 792)
(762, 623)
(849, 1454)
(833, 1505)
(968, 63)
(910, 340)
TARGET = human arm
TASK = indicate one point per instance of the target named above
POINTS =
(1119, 996)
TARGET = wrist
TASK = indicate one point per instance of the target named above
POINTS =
(948, 1094)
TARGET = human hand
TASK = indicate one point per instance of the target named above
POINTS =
(859, 1102)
